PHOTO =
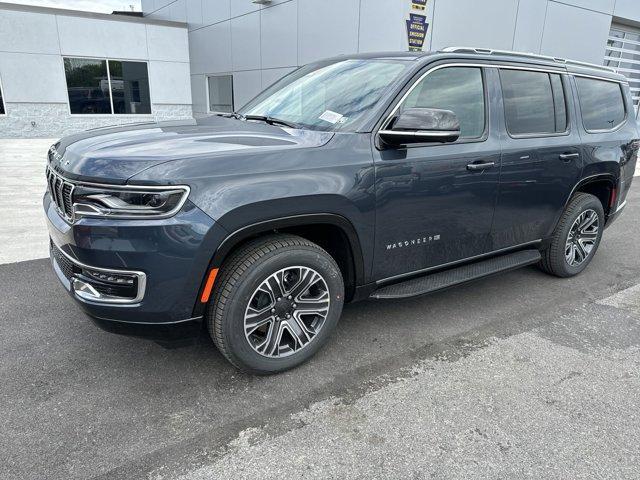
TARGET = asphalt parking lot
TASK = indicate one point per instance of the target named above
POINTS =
(516, 376)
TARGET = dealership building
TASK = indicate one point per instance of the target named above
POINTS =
(62, 71)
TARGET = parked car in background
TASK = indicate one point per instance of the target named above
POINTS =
(368, 176)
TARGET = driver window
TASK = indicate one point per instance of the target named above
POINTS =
(459, 89)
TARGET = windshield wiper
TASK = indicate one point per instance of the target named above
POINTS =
(237, 116)
(272, 120)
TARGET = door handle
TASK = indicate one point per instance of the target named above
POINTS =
(565, 157)
(480, 166)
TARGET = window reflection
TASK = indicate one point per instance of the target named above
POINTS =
(534, 102)
(130, 87)
(327, 97)
(459, 89)
(601, 103)
(88, 86)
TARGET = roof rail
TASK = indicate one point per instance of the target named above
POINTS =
(490, 51)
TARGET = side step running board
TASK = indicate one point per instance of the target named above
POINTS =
(465, 273)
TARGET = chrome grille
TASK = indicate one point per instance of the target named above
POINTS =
(61, 192)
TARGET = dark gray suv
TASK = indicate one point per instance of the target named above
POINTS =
(366, 176)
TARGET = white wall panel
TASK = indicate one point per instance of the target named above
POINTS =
(170, 83)
(327, 28)
(279, 34)
(245, 42)
(101, 38)
(629, 9)
(194, 14)
(168, 43)
(179, 11)
(214, 11)
(242, 7)
(602, 6)
(210, 48)
(28, 32)
(246, 85)
(148, 6)
(488, 24)
(382, 26)
(529, 25)
(575, 33)
(32, 78)
(271, 76)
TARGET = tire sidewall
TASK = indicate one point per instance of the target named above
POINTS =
(233, 317)
(586, 203)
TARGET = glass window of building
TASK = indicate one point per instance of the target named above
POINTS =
(623, 54)
(101, 87)
(220, 93)
(129, 87)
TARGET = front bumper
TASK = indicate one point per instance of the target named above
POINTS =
(135, 277)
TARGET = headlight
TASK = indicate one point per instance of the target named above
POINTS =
(130, 202)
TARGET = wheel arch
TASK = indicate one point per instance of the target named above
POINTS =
(600, 185)
(331, 231)
(601, 188)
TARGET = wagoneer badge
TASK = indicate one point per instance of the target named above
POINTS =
(414, 242)
(55, 154)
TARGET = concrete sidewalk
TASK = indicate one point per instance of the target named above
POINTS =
(23, 231)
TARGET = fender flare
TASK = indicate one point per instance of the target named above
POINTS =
(581, 183)
(244, 233)
(251, 230)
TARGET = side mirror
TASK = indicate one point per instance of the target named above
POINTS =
(422, 125)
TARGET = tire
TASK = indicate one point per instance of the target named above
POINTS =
(245, 291)
(556, 257)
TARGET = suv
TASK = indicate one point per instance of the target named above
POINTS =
(366, 176)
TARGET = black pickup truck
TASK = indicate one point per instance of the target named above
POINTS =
(366, 176)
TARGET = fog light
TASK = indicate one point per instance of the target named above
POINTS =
(110, 277)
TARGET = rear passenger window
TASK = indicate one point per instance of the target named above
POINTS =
(602, 104)
(534, 102)
(459, 89)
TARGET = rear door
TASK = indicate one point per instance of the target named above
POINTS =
(541, 154)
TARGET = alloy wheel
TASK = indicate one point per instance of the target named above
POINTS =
(286, 312)
(582, 237)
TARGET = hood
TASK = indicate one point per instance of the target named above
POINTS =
(115, 154)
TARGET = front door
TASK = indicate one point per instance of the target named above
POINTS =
(432, 208)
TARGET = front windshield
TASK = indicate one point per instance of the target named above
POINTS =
(327, 97)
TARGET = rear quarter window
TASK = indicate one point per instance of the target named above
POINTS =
(601, 103)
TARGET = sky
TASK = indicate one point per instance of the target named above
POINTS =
(101, 6)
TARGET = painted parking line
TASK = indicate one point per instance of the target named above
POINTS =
(628, 299)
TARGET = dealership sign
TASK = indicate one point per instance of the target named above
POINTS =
(416, 31)
(417, 25)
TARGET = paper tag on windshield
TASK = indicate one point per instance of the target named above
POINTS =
(331, 117)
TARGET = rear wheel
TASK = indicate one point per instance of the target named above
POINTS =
(276, 302)
(576, 238)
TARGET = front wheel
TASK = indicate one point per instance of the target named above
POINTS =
(576, 238)
(276, 302)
